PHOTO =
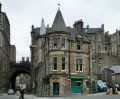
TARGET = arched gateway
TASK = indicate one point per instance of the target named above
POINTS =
(17, 68)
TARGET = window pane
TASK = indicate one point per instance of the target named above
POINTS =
(55, 59)
(55, 42)
(78, 46)
(63, 63)
(81, 67)
(77, 65)
(63, 42)
(63, 66)
(55, 63)
(55, 66)
(63, 59)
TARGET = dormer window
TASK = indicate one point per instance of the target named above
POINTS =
(78, 46)
(55, 43)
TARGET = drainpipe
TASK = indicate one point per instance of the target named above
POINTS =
(89, 69)
(69, 63)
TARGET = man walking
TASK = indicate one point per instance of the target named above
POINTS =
(22, 94)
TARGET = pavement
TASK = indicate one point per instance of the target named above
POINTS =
(75, 96)
(95, 94)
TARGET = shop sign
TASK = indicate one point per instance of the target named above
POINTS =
(76, 76)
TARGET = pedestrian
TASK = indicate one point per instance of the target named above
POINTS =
(22, 94)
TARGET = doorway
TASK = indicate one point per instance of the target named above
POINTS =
(55, 88)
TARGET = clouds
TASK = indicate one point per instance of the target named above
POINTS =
(23, 13)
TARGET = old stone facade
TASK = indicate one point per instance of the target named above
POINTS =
(60, 58)
(4, 51)
(115, 43)
(103, 49)
(58, 65)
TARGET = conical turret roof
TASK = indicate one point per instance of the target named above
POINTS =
(42, 28)
(58, 24)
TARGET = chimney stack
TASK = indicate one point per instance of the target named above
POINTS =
(79, 25)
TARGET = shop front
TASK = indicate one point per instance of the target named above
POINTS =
(77, 83)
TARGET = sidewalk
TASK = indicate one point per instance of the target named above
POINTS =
(95, 94)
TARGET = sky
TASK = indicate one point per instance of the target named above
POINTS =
(23, 13)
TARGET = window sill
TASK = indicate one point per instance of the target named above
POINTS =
(54, 70)
(79, 71)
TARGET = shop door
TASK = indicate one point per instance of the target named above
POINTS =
(55, 88)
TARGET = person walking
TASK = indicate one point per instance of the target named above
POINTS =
(22, 94)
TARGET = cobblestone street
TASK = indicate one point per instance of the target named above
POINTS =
(88, 96)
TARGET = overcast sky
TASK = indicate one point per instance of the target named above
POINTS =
(23, 13)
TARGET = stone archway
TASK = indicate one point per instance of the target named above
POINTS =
(13, 77)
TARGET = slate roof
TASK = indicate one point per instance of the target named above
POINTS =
(73, 33)
(93, 30)
(58, 24)
(115, 68)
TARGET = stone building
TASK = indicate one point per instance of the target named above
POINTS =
(60, 57)
(115, 43)
(101, 54)
(4, 51)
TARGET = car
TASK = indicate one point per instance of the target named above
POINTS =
(10, 92)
